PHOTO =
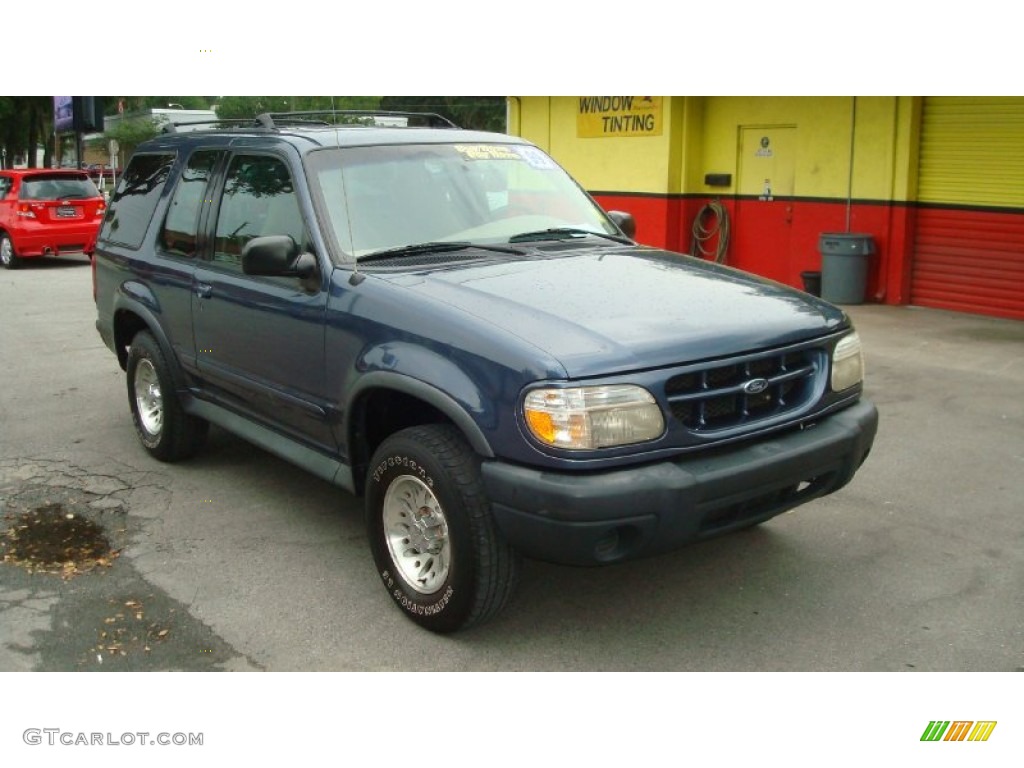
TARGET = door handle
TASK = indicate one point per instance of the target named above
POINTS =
(204, 290)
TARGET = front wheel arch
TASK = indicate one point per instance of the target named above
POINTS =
(418, 404)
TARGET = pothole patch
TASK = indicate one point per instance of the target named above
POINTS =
(68, 599)
(51, 538)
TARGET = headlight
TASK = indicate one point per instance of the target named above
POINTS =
(847, 363)
(582, 418)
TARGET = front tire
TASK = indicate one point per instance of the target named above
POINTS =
(7, 255)
(164, 429)
(436, 547)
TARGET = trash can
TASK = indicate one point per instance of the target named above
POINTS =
(844, 266)
(812, 282)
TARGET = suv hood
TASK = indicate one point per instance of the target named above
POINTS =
(604, 310)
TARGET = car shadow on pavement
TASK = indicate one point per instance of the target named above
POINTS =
(52, 262)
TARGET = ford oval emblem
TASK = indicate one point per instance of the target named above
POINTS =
(755, 386)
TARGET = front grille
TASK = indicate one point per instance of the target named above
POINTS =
(745, 392)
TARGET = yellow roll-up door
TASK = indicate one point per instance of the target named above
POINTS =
(969, 236)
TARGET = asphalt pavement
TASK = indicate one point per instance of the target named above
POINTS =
(237, 560)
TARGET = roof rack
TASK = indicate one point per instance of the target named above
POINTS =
(274, 120)
(247, 122)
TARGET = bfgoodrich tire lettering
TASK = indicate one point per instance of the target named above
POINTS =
(435, 545)
(164, 429)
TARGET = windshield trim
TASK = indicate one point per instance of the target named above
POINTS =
(438, 246)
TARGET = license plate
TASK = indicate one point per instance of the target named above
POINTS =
(66, 211)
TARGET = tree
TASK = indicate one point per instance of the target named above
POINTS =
(26, 122)
(131, 132)
(241, 107)
(140, 103)
(133, 129)
(482, 113)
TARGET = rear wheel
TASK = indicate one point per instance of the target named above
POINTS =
(165, 430)
(435, 545)
(7, 257)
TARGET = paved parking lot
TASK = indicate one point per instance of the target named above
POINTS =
(237, 560)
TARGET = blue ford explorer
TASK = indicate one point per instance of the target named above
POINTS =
(443, 322)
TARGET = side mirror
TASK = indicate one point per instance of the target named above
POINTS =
(276, 256)
(625, 222)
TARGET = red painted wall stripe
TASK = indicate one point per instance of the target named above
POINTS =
(779, 239)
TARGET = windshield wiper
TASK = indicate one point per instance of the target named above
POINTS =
(564, 233)
(439, 246)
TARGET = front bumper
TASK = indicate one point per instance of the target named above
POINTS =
(603, 517)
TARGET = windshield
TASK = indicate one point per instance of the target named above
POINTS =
(385, 197)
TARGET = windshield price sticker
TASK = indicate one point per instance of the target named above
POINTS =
(535, 158)
(487, 152)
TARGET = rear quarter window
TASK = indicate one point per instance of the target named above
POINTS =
(179, 236)
(134, 201)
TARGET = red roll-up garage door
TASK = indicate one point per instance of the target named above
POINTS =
(969, 236)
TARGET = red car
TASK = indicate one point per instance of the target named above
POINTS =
(47, 212)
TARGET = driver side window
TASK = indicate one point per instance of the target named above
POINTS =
(259, 199)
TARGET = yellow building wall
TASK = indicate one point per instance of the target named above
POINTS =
(701, 135)
(825, 131)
